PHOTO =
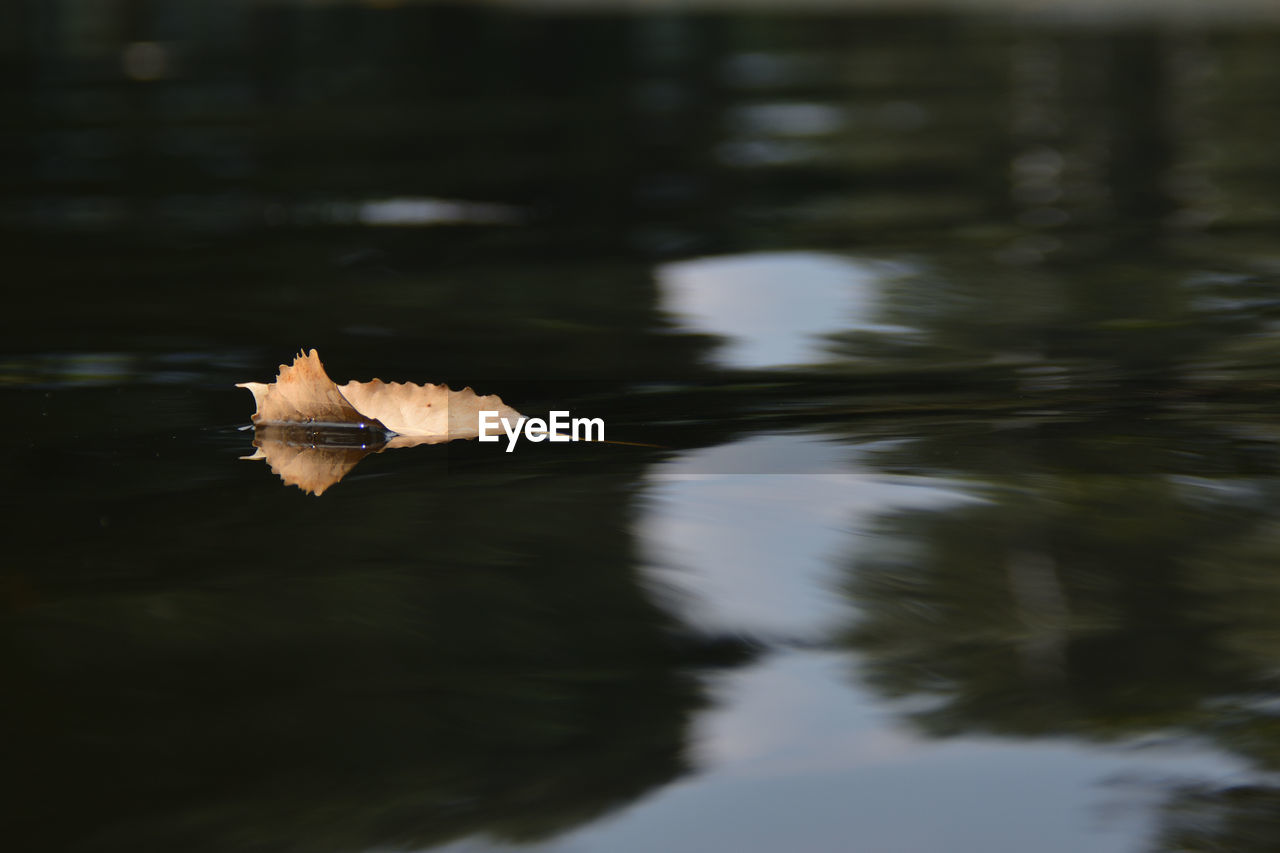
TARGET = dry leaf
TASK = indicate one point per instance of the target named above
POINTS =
(392, 414)
(304, 394)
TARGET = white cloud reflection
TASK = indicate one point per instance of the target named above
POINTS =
(794, 753)
(432, 211)
(774, 308)
(751, 536)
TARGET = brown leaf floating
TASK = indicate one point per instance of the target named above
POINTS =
(296, 412)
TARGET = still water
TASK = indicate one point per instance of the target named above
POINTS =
(944, 344)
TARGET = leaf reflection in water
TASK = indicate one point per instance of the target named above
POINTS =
(314, 459)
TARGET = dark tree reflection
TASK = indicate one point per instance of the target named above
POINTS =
(398, 672)
(1115, 582)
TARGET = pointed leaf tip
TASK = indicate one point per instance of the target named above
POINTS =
(302, 393)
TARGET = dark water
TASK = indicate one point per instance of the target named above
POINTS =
(955, 335)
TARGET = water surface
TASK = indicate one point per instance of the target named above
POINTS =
(945, 343)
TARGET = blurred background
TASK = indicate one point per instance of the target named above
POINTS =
(952, 325)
